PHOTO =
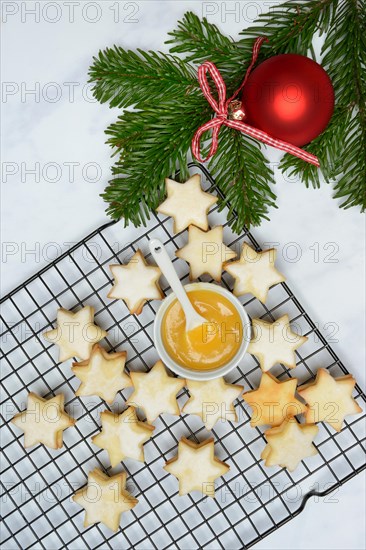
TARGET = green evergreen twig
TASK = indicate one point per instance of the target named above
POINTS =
(155, 140)
(152, 143)
(341, 148)
(290, 27)
(345, 61)
(243, 174)
(124, 78)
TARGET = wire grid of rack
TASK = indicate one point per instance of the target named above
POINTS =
(37, 483)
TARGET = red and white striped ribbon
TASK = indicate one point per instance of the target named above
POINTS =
(221, 109)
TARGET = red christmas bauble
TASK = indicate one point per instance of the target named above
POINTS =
(290, 97)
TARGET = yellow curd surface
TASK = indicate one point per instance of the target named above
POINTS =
(207, 347)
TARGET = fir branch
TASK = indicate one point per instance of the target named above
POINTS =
(326, 148)
(345, 60)
(351, 187)
(243, 174)
(124, 78)
(200, 41)
(154, 143)
(344, 53)
(290, 27)
(341, 148)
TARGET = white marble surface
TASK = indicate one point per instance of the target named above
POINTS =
(54, 127)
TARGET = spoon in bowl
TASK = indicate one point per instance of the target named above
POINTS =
(160, 255)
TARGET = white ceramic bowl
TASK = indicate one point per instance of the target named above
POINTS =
(205, 374)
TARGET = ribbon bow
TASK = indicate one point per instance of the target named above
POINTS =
(221, 109)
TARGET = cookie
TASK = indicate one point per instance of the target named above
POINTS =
(255, 272)
(196, 467)
(135, 283)
(329, 399)
(104, 499)
(102, 374)
(155, 392)
(275, 343)
(122, 436)
(205, 252)
(212, 400)
(187, 203)
(44, 421)
(289, 444)
(75, 334)
(273, 401)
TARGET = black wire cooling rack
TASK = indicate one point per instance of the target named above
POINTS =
(251, 500)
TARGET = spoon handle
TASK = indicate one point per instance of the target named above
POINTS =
(161, 257)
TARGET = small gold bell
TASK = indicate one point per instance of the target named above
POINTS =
(236, 111)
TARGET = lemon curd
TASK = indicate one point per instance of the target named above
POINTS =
(209, 346)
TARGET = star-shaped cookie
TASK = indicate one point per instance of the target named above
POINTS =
(155, 392)
(44, 421)
(102, 374)
(196, 467)
(212, 400)
(122, 435)
(329, 399)
(135, 283)
(255, 272)
(75, 334)
(187, 203)
(205, 252)
(289, 443)
(273, 401)
(104, 499)
(275, 343)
